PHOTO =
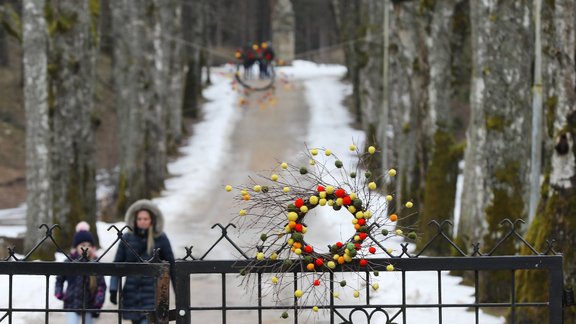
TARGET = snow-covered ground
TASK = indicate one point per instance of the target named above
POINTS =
(329, 127)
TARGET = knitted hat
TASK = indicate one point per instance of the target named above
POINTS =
(81, 237)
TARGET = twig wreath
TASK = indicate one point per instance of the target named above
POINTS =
(278, 205)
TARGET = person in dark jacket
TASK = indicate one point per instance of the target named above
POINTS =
(147, 223)
(81, 292)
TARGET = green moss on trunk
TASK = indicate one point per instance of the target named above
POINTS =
(507, 202)
(554, 220)
(440, 189)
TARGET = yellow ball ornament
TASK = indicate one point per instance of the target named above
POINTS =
(375, 286)
(315, 309)
(242, 212)
(313, 200)
(392, 172)
(372, 186)
(292, 216)
(314, 152)
(274, 280)
(409, 204)
(286, 189)
(228, 188)
(274, 177)
(304, 209)
(389, 267)
(389, 197)
(298, 293)
(371, 150)
(328, 152)
(259, 256)
(356, 294)
(329, 190)
(257, 188)
(331, 264)
(352, 147)
(284, 165)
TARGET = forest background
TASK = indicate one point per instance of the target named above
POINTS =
(484, 84)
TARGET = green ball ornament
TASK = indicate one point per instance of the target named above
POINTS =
(263, 237)
(303, 170)
(292, 208)
(297, 237)
(284, 315)
(412, 235)
(336, 207)
(338, 164)
(376, 273)
(357, 203)
(352, 175)
(343, 283)
(265, 189)
(350, 247)
(308, 259)
(385, 232)
(368, 174)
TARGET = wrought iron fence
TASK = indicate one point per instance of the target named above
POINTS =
(189, 271)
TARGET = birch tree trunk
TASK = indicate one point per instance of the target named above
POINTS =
(72, 57)
(38, 162)
(408, 99)
(555, 214)
(192, 32)
(370, 58)
(176, 77)
(442, 169)
(130, 80)
(496, 174)
(283, 24)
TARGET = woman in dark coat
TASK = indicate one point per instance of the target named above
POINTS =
(139, 292)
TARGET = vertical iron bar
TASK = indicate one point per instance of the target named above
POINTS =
(10, 299)
(83, 309)
(513, 297)
(47, 304)
(476, 296)
(162, 296)
(404, 315)
(224, 298)
(555, 288)
(439, 297)
(295, 299)
(260, 297)
(182, 292)
(120, 299)
(367, 288)
(331, 297)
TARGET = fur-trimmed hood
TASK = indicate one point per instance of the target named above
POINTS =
(157, 217)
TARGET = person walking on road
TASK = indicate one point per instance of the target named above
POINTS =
(138, 292)
(81, 292)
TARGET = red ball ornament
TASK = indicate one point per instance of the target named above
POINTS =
(340, 193)
(363, 236)
(347, 200)
(321, 188)
(358, 246)
(339, 244)
(372, 249)
(316, 282)
(308, 249)
(298, 227)
(299, 203)
(362, 222)
(319, 262)
(363, 262)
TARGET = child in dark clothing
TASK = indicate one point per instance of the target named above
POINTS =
(90, 289)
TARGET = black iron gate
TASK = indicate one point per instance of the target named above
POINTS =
(190, 305)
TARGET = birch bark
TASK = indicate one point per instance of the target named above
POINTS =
(38, 162)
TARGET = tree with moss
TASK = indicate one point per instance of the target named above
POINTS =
(73, 29)
(38, 161)
(555, 214)
(496, 172)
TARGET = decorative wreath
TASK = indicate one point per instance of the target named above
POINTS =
(278, 205)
